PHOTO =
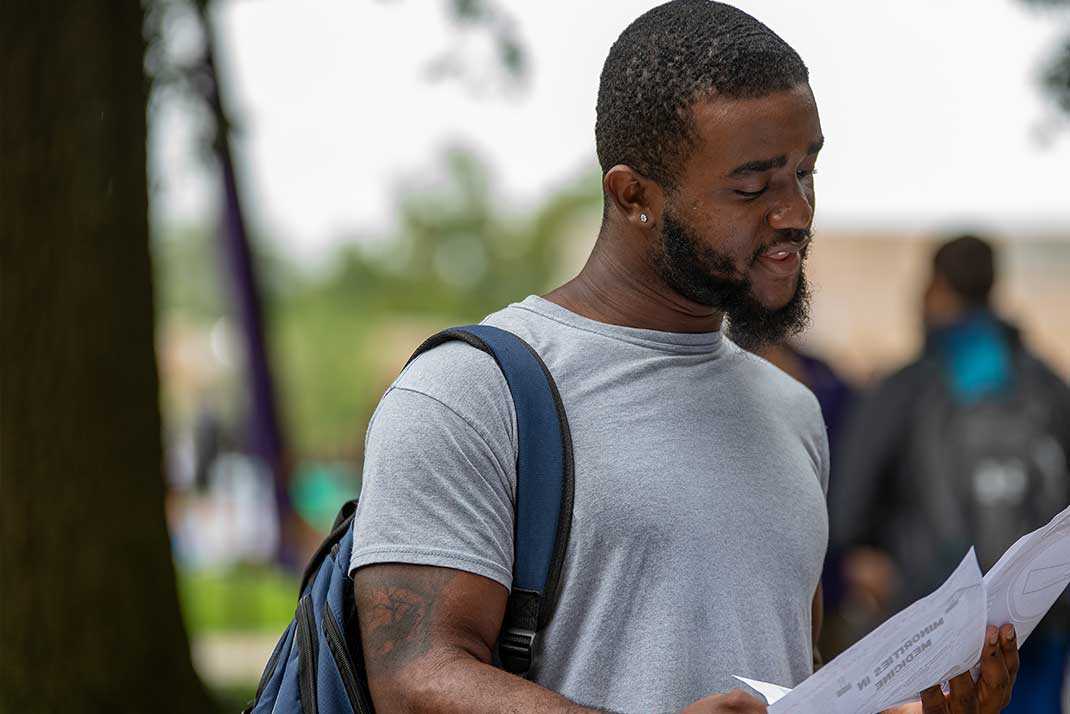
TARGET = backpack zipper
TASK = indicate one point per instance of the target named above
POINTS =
(336, 644)
(306, 663)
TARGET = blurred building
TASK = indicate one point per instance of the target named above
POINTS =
(867, 287)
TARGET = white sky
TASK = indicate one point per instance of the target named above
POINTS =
(929, 109)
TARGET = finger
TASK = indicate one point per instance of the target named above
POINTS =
(933, 701)
(743, 702)
(994, 687)
(1008, 642)
(963, 696)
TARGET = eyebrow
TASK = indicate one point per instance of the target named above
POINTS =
(763, 165)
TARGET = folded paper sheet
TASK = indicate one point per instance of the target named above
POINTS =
(939, 636)
(1030, 576)
(934, 639)
(771, 692)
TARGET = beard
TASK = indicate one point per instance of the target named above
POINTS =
(705, 276)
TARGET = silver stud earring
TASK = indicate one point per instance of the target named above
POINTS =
(643, 218)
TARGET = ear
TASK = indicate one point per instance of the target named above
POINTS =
(633, 196)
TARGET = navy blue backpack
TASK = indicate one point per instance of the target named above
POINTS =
(318, 665)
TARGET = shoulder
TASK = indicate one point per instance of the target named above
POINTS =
(772, 383)
(790, 404)
(1044, 374)
(900, 392)
(1042, 386)
(451, 367)
(923, 369)
(465, 381)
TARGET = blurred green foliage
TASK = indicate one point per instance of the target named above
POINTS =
(1055, 72)
(455, 256)
(339, 335)
(183, 284)
(235, 697)
(509, 50)
(244, 598)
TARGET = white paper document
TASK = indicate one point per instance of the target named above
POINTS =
(939, 636)
(1030, 576)
(771, 692)
(935, 638)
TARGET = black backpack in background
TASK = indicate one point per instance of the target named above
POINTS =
(992, 469)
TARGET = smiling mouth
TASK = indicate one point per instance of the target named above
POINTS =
(783, 260)
(783, 251)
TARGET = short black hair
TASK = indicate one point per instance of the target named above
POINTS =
(666, 60)
(968, 264)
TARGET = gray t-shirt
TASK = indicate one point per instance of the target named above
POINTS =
(699, 524)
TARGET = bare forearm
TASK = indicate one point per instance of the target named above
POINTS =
(460, 684)
(428, 636)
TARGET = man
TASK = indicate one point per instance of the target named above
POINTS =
(699, 522)
(967, 445)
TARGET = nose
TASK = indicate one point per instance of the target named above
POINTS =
(793, 210)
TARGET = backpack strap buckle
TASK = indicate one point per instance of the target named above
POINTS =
(515, 645)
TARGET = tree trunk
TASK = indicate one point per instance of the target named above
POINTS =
(89, 615)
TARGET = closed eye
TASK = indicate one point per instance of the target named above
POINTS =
(749, 194)
(804, 173)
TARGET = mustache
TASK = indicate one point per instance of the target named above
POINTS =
(794, 236)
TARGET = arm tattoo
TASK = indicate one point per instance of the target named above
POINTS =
(396, 611)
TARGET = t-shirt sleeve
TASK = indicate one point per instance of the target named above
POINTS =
(439, 474)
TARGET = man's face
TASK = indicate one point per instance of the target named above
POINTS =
(735, 230)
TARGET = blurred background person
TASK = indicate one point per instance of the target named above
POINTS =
(966, 445)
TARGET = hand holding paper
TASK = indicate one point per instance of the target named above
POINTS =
(942, 635)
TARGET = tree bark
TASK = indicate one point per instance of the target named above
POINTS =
(89, 615)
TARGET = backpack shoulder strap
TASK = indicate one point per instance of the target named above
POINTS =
(544, 486)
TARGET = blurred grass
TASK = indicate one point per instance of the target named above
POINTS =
(240, 599)
(233, 698)
(234, 601)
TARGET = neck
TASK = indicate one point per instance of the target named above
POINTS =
(620, 286)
